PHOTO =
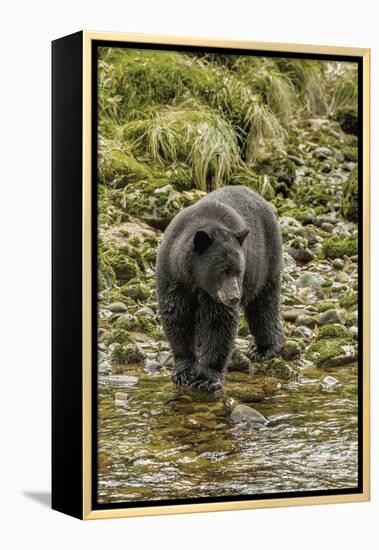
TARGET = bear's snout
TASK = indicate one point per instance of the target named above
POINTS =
(229, 294)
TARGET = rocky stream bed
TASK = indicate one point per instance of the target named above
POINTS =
(287, 425)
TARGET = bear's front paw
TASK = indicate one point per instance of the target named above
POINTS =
(182, 378)
(211, 386)
(260, 354)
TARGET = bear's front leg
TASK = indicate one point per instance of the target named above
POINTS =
(217, 327)
(263, 317)
(177, 308)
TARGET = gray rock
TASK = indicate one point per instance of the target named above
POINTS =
(289, 264)
(238, 361)
(322, 153)
(354, 332)
(330, 384)
(293, 313)
(306, 320)
(303, 332)
(328, 227)
(301, 255)
(290, 349)
(105, 367)
(296, 160)
(117, 307)
(331, 316)
(288, 225)
(126, 318)
(121, 399)
(311, 280)
(327, 168)
(243, 414)
(152, 366)
(145, 311)
(338, 263)
(118, 380)
(339, 156)
(166, 358)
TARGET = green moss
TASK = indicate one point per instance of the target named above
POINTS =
(136, 290)
(325, 306)
(149, 326)
(124, 267)
(283, 169)
(280, 369)
(126, 354)
(350, 201)
(118, 167)
(118, 336)
(337, 247)
(349, 300)
(332, 331)
(324, 352)
(106, 274)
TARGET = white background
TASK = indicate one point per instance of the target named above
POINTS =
(27, 29)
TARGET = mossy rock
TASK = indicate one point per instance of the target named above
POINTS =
(332, 352)
(238, 361)
(117, 336)
(332, 331)
(118, 168)
(136, 290)
(106, 274)
(350, 201)
(124, 267)
(283, 169)
(126, 354)
(325, 306)
(280, 369)
(149, 326)
(337, 247)
(348, 120)
(350, 300)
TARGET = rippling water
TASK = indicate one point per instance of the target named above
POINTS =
(168, 443)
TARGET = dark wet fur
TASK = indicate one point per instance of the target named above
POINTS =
(201, 252)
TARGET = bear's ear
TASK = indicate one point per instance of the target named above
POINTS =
(201, 241)
(241, 235)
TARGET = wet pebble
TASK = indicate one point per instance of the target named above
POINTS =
(152, 366)
(243, 414)
(117, 307)
(328, 227)
(121, 399)
(291, 349)
(330, 384)
(338, 263)
(118, 380)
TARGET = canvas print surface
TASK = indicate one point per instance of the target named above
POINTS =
(228, 275)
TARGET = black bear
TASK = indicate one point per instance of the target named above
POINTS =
(224, 251)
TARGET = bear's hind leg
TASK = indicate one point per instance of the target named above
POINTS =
(177, 314)
(263, 317)
(217, 328)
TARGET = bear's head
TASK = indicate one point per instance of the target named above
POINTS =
(219, 263)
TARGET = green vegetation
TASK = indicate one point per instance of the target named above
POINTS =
(337, 247)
